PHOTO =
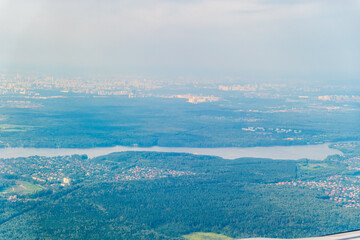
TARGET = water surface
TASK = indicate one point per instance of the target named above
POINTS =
(313, 152)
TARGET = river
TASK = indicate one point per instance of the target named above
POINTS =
(313, 152)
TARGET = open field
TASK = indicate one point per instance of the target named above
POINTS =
(22, 188)
(206, 236)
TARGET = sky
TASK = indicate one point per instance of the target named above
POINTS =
(275, 39)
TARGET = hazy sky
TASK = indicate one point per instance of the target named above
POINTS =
(275, 38)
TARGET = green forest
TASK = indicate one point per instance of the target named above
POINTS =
(83, 121)
(145, 195)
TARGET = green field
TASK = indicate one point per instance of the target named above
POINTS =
(22, 188)
(206, 236)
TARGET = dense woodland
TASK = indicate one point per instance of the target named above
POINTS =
(237, 198)
(86, 121)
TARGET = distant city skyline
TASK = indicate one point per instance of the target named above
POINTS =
(247, 39)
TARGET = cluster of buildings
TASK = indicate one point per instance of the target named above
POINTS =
(195, 99)
(29, 85)
(44, 171)
(138, 173)
(56, 173)
(271, 130)
(340, 98)
(340, 189)
(248, 87)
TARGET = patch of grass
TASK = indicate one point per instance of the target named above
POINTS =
(206, 236)
(22, 188)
